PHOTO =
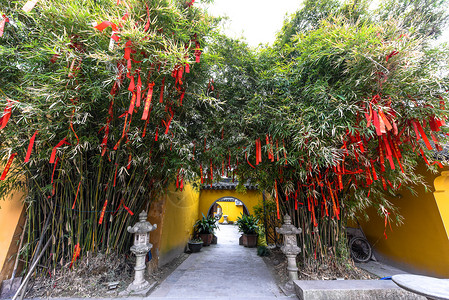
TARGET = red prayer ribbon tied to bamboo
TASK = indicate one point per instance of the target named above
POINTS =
(76, 196)
(2, 24)
(127, 208)
(103, 211)
(30, 147)
(76, 254)
(8, 166)
(277, 198)
(197, 52)
(103, 25)
(6, 115)
(148, 102)
(53, 152)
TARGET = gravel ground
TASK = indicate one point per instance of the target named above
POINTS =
(91, 276)
(277, 261)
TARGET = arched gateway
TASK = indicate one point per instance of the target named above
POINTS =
(223, 196)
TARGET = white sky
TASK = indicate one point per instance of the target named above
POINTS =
(256, 20)
(259, 20)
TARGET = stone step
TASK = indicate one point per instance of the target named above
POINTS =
(351, 290)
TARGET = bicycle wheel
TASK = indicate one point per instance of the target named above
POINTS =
(361, 250)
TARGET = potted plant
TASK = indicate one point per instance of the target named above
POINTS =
(195, 245)
(205, 228)
(247, 225)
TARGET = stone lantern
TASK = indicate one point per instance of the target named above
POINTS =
(290, 249)
(140, 248)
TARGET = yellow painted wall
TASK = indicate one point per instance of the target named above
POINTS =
(10, 213)
(441, 194)
(231, 210)
(180, 214)
(208, 197)
(421, 244)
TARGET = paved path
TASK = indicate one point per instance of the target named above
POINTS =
(222, 271)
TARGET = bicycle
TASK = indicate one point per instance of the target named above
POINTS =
(359, 247)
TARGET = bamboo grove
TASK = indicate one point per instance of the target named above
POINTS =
(107, 103)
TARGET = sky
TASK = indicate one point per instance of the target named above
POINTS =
(259, 20)
(256, 20)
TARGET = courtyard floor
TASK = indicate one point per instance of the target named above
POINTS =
(222, 271)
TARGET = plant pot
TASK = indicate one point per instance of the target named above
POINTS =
(250, 240)
(207, 238)
(195, 247)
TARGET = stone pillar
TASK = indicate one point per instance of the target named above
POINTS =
(290, 249)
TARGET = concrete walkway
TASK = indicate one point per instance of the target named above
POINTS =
(222, 271)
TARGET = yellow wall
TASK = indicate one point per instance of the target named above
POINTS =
(208, 197)
(421, 244)
(180, 214)
(176, 212)
(231, 210)
(10, 213)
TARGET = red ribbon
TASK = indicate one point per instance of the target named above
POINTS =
(54, 168)
(76, 195)
(148, 102)
(197, 52)
(423, 135)
(30, 147)
(6, 115)
(129, 162)
(2, 24)
(131, 105)
(162, 91)
(103, 25)
(147, 25)
(127, 209)
(103, 211)
(76, 254)
(8, 165)
(139, 90)
(53, 152)
(391, 55)
(277, 198)
(167, 124)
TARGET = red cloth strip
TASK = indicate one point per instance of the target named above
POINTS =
(246, 157)
(127, 209)
(76, 195)
(8, 166)
(131, 105)
(148, 102)
(423, 135)
(376, 123)
(103, 25)
(103, 211)
(161, 98)
(277, 199)
(147, 25)
(53, 152)
(139, 90)
(6, 115)
(2, 24)
(54, 168)
(76, 254)
(30, 147)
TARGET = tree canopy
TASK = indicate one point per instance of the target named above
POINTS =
(106, 103)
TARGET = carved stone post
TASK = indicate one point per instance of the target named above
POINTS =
(290, 249)
(140, 248)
